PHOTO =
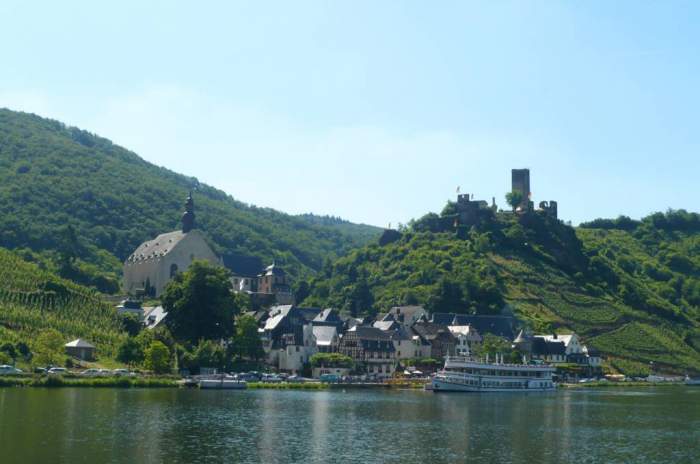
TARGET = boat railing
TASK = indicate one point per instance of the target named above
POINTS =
(467, 359)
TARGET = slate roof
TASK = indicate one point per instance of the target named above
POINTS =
(430, 330)
(502, 326)
(242, 265)
(543, 347)
(386, 325)
(277, 315)
(330, 316)
(406, 314)
(324, 334)
(154, 316)
(159, 246)
(370, 333)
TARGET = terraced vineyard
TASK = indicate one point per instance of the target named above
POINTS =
(33, 300)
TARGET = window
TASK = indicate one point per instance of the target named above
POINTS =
(173, 270)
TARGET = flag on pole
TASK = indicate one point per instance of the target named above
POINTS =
(458, 189)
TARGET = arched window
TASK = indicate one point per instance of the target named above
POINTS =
(173, 270)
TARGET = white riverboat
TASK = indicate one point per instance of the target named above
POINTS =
(695, 382)
(222, 382)
(464, 374)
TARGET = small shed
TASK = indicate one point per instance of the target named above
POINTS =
(80, 349)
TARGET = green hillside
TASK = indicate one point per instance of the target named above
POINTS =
(53, 177)
(634, 294)
(33, 301)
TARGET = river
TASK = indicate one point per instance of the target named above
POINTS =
(90, 425)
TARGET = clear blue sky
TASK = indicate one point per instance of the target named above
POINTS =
(377, 111)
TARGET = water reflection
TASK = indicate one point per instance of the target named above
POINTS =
(179, 426)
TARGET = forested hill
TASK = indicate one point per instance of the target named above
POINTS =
(630, 288)
(53, 177)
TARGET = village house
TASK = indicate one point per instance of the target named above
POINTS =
(467, 337)
(442, 342)
(155, 262)
(326, 338)
(371, 349)
(288, 337)
(80, 349)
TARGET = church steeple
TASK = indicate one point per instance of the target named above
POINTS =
(188, 215)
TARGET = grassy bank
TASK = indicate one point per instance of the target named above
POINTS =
(108, 382)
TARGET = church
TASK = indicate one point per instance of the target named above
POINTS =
(155, 262)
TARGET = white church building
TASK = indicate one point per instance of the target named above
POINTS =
(156, 261)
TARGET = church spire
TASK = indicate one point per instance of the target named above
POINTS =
(188, 216)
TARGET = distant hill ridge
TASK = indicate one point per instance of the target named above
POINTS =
(53, 176)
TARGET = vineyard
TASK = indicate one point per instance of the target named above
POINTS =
(33, 300)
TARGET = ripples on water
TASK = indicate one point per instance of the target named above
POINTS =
(184, 426)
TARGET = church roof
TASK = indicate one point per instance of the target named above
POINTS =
(159, 246)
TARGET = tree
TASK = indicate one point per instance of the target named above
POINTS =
(200, 304)
(9, 349)
(514, 199)
(131, 324)
(130, 352)
(48, 347)
(331, 360)
(246, 342)
(157, 358)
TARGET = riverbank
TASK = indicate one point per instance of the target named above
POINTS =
(106, 382)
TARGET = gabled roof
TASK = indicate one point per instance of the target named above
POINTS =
(430, 330)
(328, 315)
(159, 246)
(407, 313)
(154, 316)
(324, 334)
(277, 315)
(79, 343)
(386, 325)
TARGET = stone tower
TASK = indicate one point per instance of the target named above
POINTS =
(188, 215)
(521, 184)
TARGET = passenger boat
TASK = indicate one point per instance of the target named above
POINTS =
(222, 383)
(692, 382)
(464, 374)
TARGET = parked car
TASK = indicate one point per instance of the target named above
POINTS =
(271, 378)
(57, 371)
(296, 379)
(330, 378)
(248, 376)
(90, 372)
(122, 373)
(40, 370)
(6, 369)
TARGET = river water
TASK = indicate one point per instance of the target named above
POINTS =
(660, 425)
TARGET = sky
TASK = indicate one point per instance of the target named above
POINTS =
(378, 111)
